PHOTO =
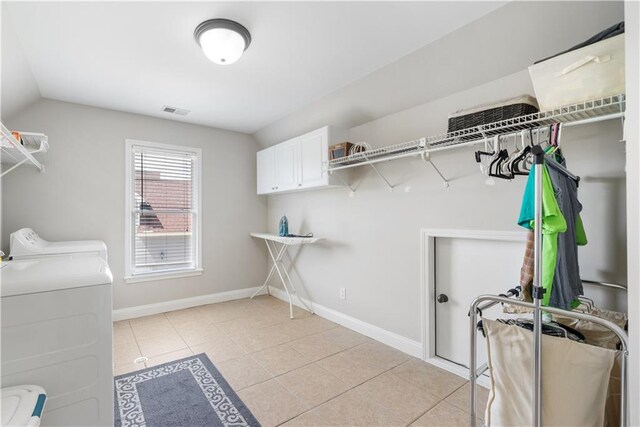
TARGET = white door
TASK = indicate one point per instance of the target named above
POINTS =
(287, 165)
(464, 269)
(313, 152)
(266, 170)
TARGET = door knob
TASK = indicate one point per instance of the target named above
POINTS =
(442, 298)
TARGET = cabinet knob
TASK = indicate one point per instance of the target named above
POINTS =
(300, 185)
(442, 298)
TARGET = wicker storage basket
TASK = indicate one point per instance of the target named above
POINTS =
(495, 112)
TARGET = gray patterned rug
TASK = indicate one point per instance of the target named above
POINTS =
(189, 392)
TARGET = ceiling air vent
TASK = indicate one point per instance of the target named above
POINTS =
(175, 110)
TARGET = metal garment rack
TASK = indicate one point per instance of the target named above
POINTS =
(592, 111)
(540, 159)
(492, 300)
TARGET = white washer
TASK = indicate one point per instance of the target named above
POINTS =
(25, 243)
(57, 333)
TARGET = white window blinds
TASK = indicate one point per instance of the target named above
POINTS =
(163, 203)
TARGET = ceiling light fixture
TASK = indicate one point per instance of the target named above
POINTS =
(223, 41)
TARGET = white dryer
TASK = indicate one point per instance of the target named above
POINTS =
(56, 332)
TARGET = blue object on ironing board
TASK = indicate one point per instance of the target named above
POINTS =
(284, 226)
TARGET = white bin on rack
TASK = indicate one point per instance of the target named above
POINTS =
(591, 72)
(22, 405)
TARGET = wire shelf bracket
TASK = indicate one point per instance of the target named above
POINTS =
(342, 180)
(382, 177)
(427, 158)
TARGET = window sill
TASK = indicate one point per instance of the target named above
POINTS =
(163, 276)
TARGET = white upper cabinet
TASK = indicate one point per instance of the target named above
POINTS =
(266, 164)
(313, 149)
(287, 165)
(299, 163)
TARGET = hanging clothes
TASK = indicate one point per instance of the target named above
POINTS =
(567, 285)
(527, 269)
(553, 222)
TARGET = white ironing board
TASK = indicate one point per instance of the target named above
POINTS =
(277, 253)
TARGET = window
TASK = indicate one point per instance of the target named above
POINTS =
(162, 211)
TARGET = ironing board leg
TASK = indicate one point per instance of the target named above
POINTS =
(293, 288)
(276, 264)
(277, 255)
(266, 282)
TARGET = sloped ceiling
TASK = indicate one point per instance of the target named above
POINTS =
(503, 42)
(138, 56)
(19, 87)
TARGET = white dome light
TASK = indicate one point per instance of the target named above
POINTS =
(222, 41)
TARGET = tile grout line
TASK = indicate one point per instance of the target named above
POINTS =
(157, 355)
(135, 338)
(353, 388)
(275, 377)
(162, 354)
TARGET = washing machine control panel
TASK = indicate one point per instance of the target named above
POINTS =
(26, 241)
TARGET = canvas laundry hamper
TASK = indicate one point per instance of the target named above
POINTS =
(575, 379)
(591, 72)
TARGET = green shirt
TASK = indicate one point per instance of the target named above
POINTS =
(581, 235)
(553, 222)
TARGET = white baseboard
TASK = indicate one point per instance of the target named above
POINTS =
(180, 304)
(461, 371)
(406, 345)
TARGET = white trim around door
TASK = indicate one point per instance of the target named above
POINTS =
(427, 293)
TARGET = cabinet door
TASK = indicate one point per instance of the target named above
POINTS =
(313, 152)
(287, 165)
(266, 171)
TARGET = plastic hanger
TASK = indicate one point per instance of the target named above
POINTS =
(486, 157)
(522, 155)
(508, 166)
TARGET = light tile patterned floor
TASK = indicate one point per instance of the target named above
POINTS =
(302, 372)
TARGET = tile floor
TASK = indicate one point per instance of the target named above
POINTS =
(302, 372)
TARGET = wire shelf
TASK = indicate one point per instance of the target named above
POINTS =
(570, 113)
(581, 111)
(12, 152)
(416, 145)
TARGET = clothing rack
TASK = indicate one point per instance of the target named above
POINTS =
(484, 302)
(557, 166)
(540, 159)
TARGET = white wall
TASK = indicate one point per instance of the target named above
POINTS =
(81, 194)
(372, 242)
(632, 135)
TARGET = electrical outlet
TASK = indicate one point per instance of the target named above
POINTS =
(343, 293)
